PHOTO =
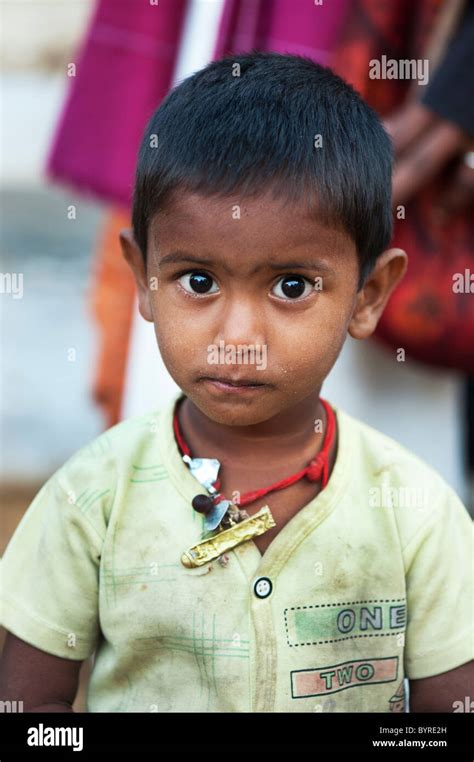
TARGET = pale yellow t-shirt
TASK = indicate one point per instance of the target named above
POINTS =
(370, 582)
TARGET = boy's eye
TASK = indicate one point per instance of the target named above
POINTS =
(197, 282)
(292, 287)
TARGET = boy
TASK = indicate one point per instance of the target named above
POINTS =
(299, 576)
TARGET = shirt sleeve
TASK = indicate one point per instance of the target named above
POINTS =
(49, 573)
(439, 564)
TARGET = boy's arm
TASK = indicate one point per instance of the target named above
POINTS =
(42, 681)
(439, 693)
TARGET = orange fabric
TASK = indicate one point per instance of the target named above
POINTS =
(112, 297)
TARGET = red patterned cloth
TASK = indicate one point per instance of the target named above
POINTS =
(425, 316)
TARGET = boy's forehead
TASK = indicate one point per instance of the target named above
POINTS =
(261, 227)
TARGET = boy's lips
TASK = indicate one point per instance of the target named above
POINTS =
(233, 385)
(233, 381)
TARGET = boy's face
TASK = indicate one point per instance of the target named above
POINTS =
(274, 281)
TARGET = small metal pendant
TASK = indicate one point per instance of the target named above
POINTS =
(205, 470)
(215, 515)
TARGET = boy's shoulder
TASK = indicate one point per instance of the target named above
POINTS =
(125, 437)
(383, 454)
(97, 467)
(127, 440)
(394, 478)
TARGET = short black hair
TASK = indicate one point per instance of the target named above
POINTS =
(250, 123)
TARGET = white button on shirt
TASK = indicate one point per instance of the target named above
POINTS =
(262, 587)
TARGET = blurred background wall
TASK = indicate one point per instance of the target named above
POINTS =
(47, 337)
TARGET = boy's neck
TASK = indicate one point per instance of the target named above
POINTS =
(287, 437)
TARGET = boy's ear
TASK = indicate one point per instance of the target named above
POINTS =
(133, 255)
(389, 269)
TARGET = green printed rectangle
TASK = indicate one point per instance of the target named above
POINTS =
(329, 622)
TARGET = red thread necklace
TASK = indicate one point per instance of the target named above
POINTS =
(317, 468)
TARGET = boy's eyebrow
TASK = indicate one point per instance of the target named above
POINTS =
(182, 256)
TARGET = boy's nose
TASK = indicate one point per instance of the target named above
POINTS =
(242, 322)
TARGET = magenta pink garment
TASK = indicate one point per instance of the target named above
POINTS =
(299, 27)
(124, 69)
